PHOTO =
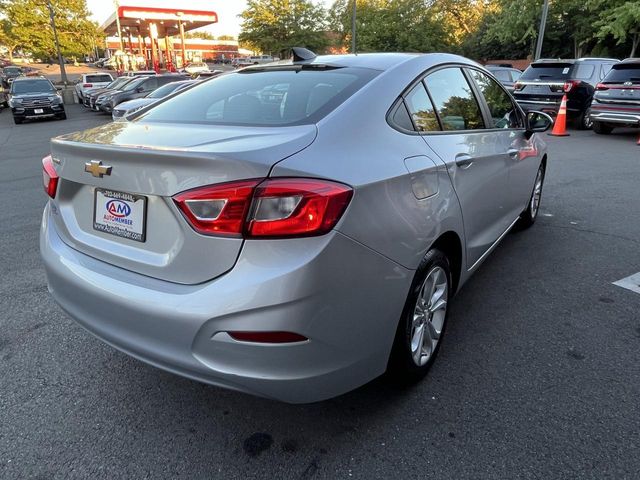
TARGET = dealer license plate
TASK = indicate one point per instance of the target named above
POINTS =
(121, 214)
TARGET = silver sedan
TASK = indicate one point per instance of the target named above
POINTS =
(291, 230)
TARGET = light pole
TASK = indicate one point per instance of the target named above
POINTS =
(353, 28)
(63, 72)
(543, 23)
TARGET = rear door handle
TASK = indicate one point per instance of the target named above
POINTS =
(464, 161)
(513, 152)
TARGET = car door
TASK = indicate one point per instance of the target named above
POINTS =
(508, 136)
(479, 173)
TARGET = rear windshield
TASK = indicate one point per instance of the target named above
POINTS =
(278, 96)
(99, 78)
(32, 86)
(547, 71)
(624, 73)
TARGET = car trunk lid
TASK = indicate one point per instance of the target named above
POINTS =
(183, 157)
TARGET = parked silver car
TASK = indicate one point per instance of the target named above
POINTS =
(291, 231)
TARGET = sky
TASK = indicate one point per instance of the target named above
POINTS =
(227, 10)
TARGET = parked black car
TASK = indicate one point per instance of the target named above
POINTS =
(35, 97)
(616, 102)
(138, 88)
(507, 76)
(9, 74)
(544, 82)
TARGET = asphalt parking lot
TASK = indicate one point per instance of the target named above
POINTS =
(538, 376)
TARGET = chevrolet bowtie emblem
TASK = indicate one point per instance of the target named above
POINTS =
(95, 168)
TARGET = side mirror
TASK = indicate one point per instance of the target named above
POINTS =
(58, 87)
(538, 122)
(140, 89)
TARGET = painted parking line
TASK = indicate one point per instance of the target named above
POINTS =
(630, 283)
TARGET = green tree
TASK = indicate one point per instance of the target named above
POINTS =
(621, 20)
(391, 25)
(226, 37)
(200, 34)
(273, 26)
(30, 26)
(8, 37)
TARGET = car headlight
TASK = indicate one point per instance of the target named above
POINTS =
(55, 99)
(15, 102)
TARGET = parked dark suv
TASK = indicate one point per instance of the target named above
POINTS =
(616, 102)
(544, 82)
(35, 97)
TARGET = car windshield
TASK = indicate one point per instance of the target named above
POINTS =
(12, 70)
(98, 78)
(547, 71)
(32, 86)
(279, 96)
(622, 73)
(166, 89)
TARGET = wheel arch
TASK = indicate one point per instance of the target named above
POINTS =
(450, 244)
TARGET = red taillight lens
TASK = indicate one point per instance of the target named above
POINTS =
(87, 85)
(268, 337)
(601, 86)
(570, 85)
(218, 209)
(273, 208)
(286, 207)
(49, 176)
(518, 86)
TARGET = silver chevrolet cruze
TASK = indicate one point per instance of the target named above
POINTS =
(291, 230)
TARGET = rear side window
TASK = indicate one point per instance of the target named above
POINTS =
(503, 111)
(583, 71)
(99, 79)
(400, 117)
(455, 103)
(502, 75)
(624, 73)
(547, 71)
(276, 96)
(421, 109)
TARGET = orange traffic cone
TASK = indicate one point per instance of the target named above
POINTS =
(560, 125)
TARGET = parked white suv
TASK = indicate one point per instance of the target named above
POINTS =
(92, 80)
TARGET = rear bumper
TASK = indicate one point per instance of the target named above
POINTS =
(612, 114)
(344, 297)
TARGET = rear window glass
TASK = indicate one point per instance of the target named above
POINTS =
(502, 75)
(551, 71)
(99, 79)
(626, 73)
(263, 97)
(421, 109)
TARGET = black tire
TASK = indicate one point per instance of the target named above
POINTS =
(62, 116)
(401, 367)
(583, 121)
(602, 128)
(528, 217)
(17, 121)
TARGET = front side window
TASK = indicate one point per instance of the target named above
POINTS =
(279, 96)
(421, 109)
(454, 101)
(503, 111)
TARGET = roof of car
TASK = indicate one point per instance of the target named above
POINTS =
(25, 79)
(574, 60)
(499, 67)
(630, 60)
(376, 61)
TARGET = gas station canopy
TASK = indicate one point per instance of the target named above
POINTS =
(167, 20)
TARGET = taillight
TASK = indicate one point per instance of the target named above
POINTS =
(218, 209)
(285, 207)
(518, 86)
(273, 208)
(570, 85)
(601, 86)
(49, 176)
(87, 85)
